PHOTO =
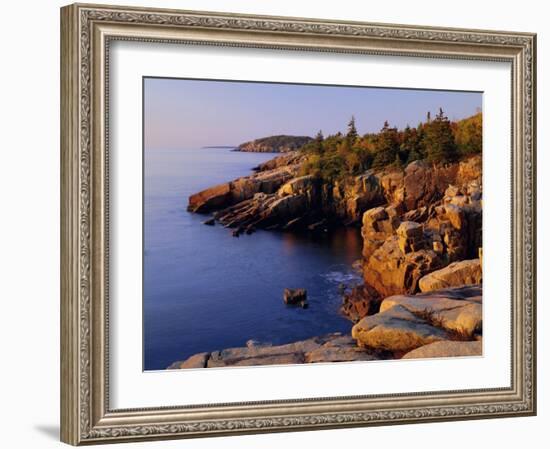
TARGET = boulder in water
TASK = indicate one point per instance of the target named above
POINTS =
(295, 296)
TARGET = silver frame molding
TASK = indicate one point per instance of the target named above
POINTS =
(86, 33)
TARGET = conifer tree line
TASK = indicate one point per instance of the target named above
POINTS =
(437, 140)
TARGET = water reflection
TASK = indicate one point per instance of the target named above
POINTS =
(205, 290)
(345, 241)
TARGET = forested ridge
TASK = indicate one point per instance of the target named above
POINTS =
(437, 140)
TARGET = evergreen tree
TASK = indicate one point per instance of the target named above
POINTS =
(351, 136)
(410, 149)
(318, 142)
(413, 156)
(386, 147)
(439, 140)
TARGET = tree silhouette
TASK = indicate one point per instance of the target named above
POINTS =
(439, 140)
(351, 136)
(386, 146)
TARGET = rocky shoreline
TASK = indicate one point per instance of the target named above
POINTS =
(422, 251)
(442, 323)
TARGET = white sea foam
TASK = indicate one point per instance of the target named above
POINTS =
(342, 277)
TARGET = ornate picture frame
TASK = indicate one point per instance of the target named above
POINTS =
(87, 32)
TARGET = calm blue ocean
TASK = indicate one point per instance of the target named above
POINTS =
(206, 290)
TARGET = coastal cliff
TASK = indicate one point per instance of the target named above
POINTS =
(420, 215)
(277, 196)
(421, 229)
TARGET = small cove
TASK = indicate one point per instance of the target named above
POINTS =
(205, 290)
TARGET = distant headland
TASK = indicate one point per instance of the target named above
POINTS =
(274, 144)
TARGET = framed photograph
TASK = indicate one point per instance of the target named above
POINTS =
(281, 224)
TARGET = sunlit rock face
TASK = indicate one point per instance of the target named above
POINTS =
(421, 227)
(406, 322)
(433, 218)
(328, 348)
(447, 349)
